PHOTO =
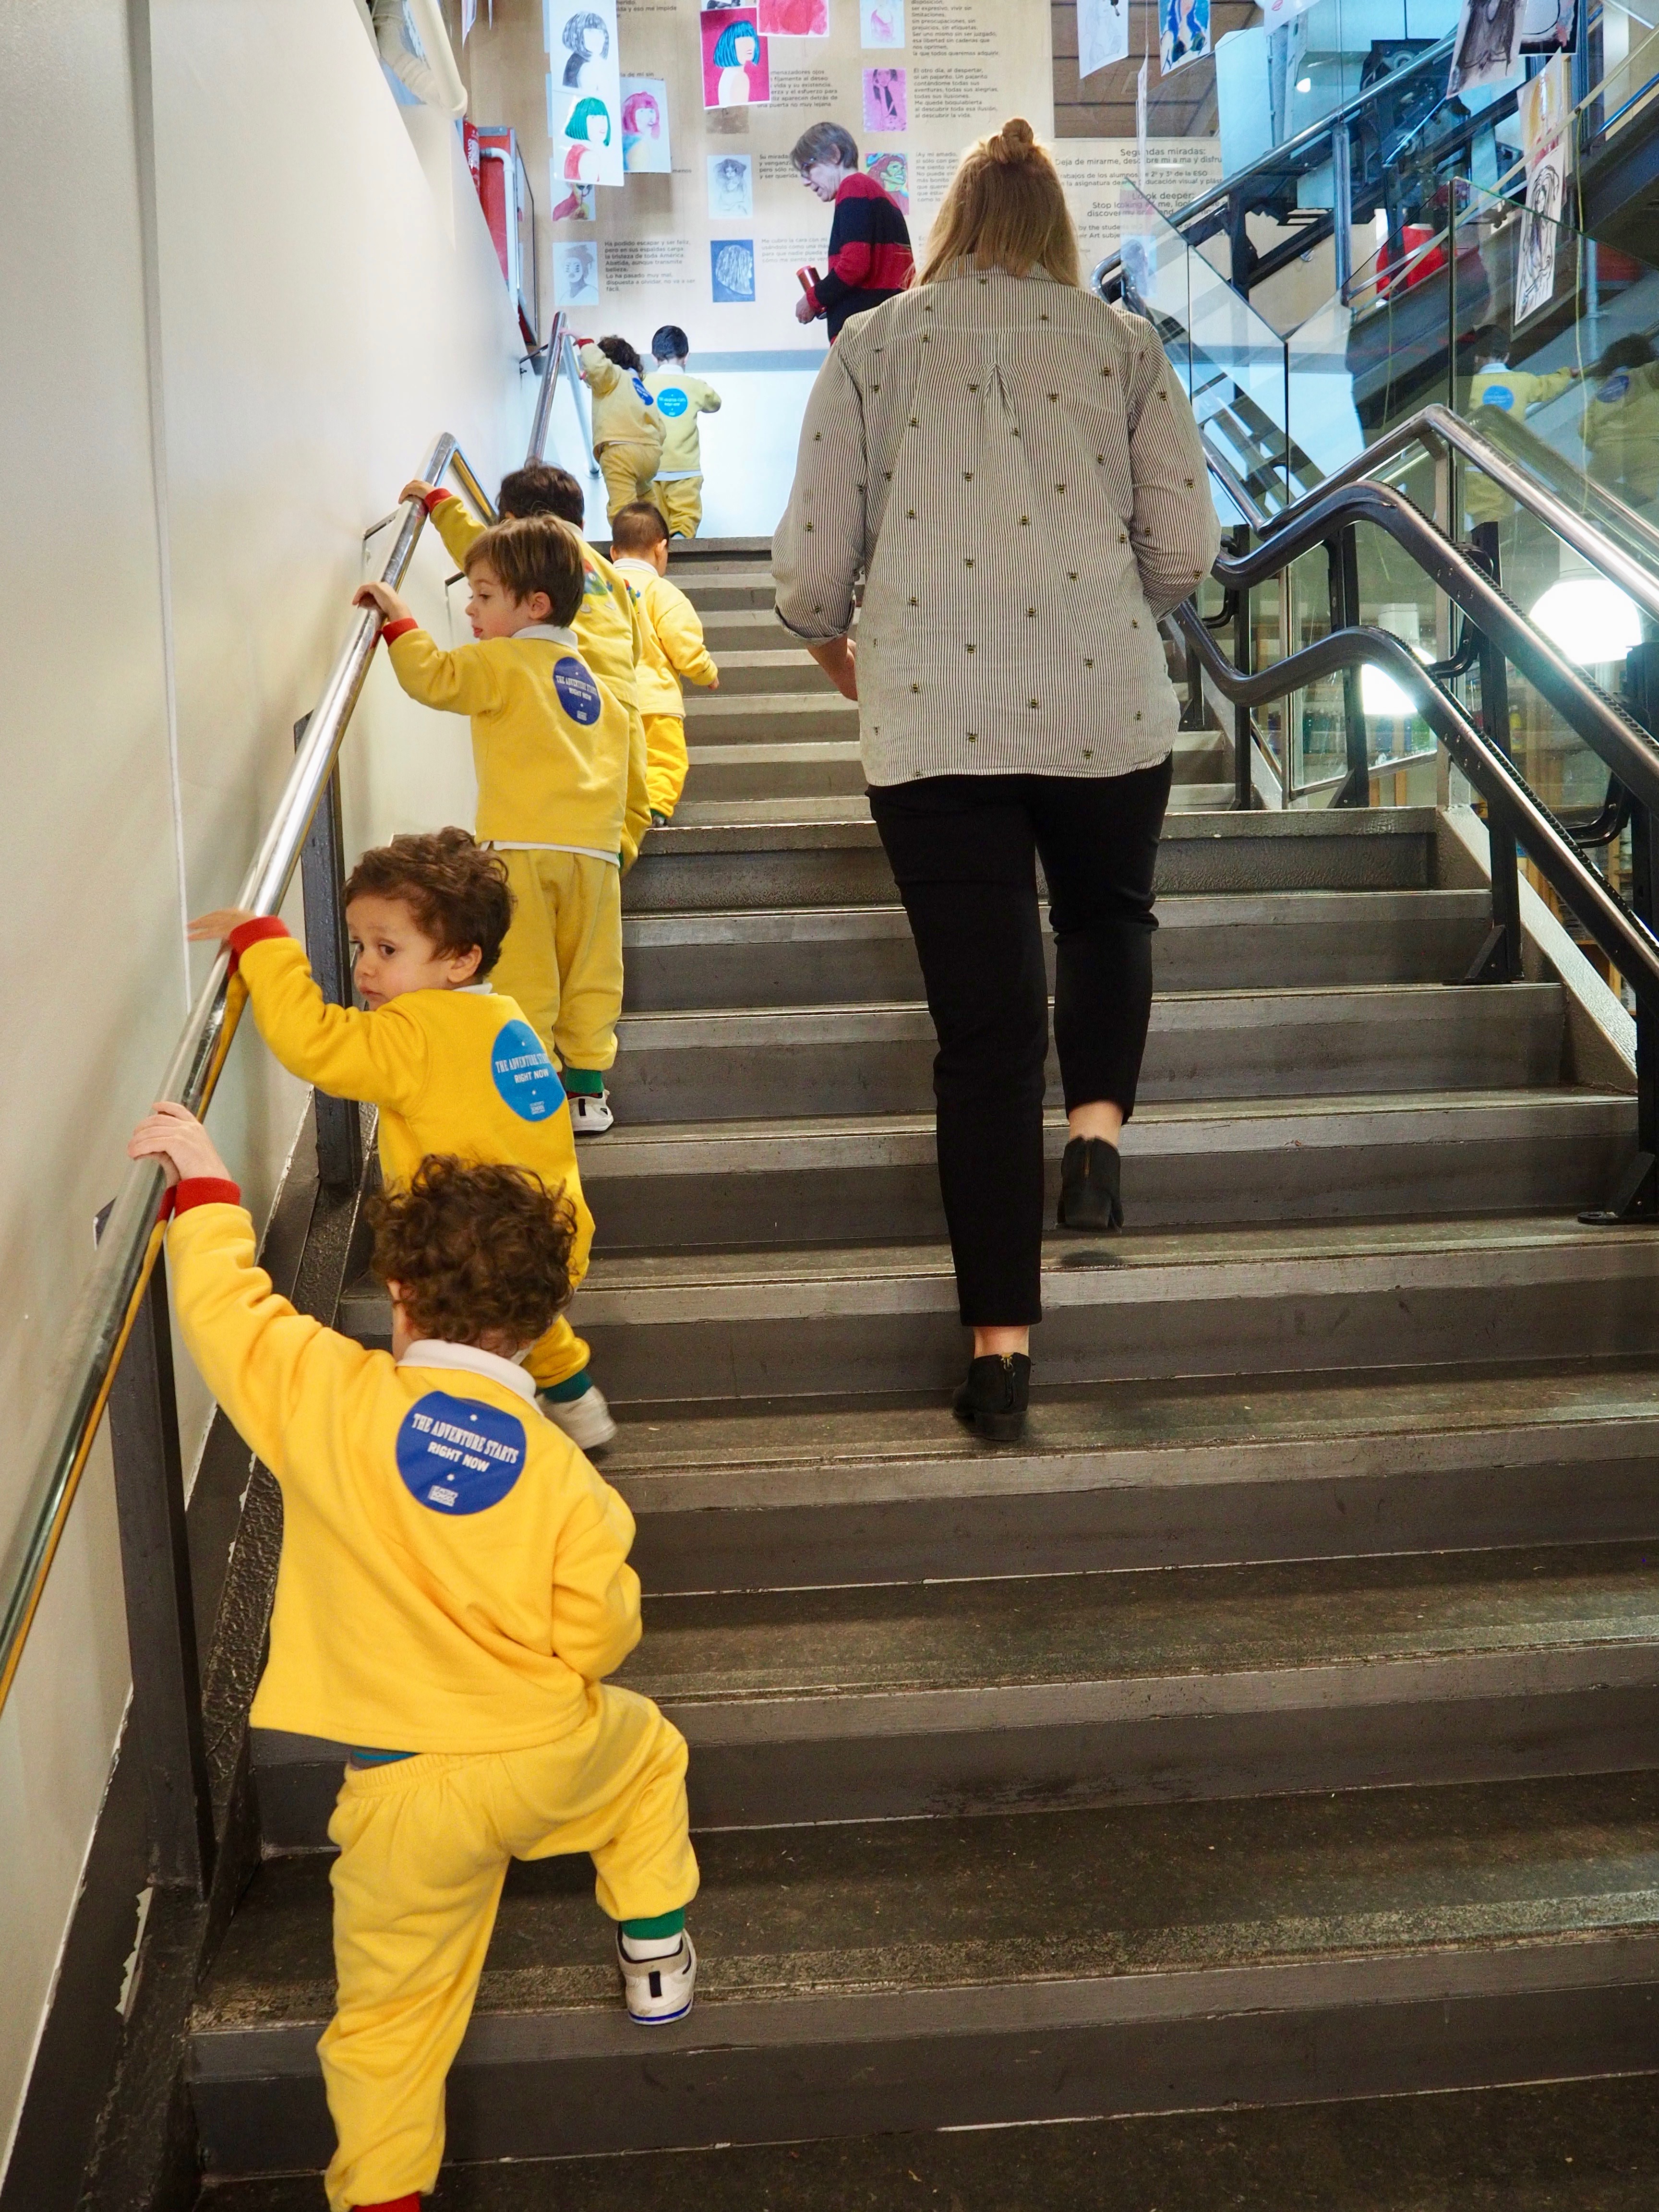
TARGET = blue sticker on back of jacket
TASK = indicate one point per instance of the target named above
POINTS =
(525, 1076)
(457, 1456)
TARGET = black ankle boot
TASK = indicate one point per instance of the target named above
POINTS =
(994, 1399)
(1089, 1175)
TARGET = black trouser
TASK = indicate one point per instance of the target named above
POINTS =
(964, 850)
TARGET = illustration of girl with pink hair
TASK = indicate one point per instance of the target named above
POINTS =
(641, 118)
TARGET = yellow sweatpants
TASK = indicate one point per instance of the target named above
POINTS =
(424, 1846)
(665, 761)
(557, 1356)
(562, 960)
(628, 471)
(680, 499)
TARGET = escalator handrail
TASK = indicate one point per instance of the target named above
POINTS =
(1622, 935)
(1291, 151)
(96, 1335)
(1622, 745)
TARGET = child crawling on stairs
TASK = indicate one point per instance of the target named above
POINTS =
(454, 1588)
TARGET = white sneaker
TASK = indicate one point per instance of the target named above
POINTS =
(586, 1420)
(659, 1990)
(590, 1117)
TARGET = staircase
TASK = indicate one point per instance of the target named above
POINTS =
(1279, 1723)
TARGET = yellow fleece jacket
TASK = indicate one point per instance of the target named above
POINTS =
(625, 413)
(673, 639)
(609, 637)
(1512, 391)
(458, 1072)
(550, 744)
(454, 1572)
(681, 398)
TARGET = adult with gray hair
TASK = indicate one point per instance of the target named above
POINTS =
(870, 256)
(1012, 468)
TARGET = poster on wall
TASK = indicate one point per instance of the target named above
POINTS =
(881, 23)
(736, 70)
(892, 173)
(584, 89)
(1488, 45)
(1548, 26)
(1183, 33)
(731, 271)
(1103, 34)
(731, 186)
(794, 18)
(1545, 106)
(571, 202)
(1275, 12)
(575, 272)
(886, 100)
(645, 126)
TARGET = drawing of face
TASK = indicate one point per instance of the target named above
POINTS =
(746, 48)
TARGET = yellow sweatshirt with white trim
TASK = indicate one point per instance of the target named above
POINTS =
(625, 413)
(458, 1071)
(550, 746)
(454, 1575)
(681, 398)
(609, 637)
(1512, 391)
(673, 639)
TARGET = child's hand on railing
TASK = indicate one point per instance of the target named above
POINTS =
(417, 487)
(215, 928)
(172, 1136)
(392, 604)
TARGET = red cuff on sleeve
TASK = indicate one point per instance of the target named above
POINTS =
(200, 1190)
(433, 497)
(395, 630)
(253, 932)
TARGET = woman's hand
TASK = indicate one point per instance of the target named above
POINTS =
(805, 311)
(836, 657)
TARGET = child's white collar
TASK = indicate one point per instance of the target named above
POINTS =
(633, 560)
(472, 1359)
(552, 631)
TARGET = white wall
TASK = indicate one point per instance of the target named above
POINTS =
(328, 300)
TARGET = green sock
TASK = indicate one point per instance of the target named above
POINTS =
(573, 1386)
(584, 1082)
(665, 1924)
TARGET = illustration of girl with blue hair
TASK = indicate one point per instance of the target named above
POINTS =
(590, 126)
(736, 52)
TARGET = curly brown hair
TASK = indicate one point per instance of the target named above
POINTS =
(456, 890)
(476, 1251)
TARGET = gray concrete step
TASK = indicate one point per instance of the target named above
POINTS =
(852, 956)
(657, 1188)
(775, 671)
(676, 1329)
(1034, 1966)
(1574, 2145)
(893, 1701)
(768, 854)
(731, 715)
(738, 769)
(789, 1062)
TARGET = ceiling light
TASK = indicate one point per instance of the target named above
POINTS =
(1591, 620)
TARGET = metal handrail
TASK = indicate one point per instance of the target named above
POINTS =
(552, 353)
(1305, 141)
(97, 1331)
(1622, 935)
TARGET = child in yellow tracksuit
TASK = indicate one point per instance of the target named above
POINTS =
(551, 747)
(1514, 392)
(627, 428)
(674, 647)
(680, 398)
(451, 1064)
(454, 1588)
(607, 624)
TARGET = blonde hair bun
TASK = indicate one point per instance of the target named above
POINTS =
(1013, 144)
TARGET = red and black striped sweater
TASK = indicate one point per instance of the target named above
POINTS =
(870, 256)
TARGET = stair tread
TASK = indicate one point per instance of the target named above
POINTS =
(1123, 1896)
(1203, 1623)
